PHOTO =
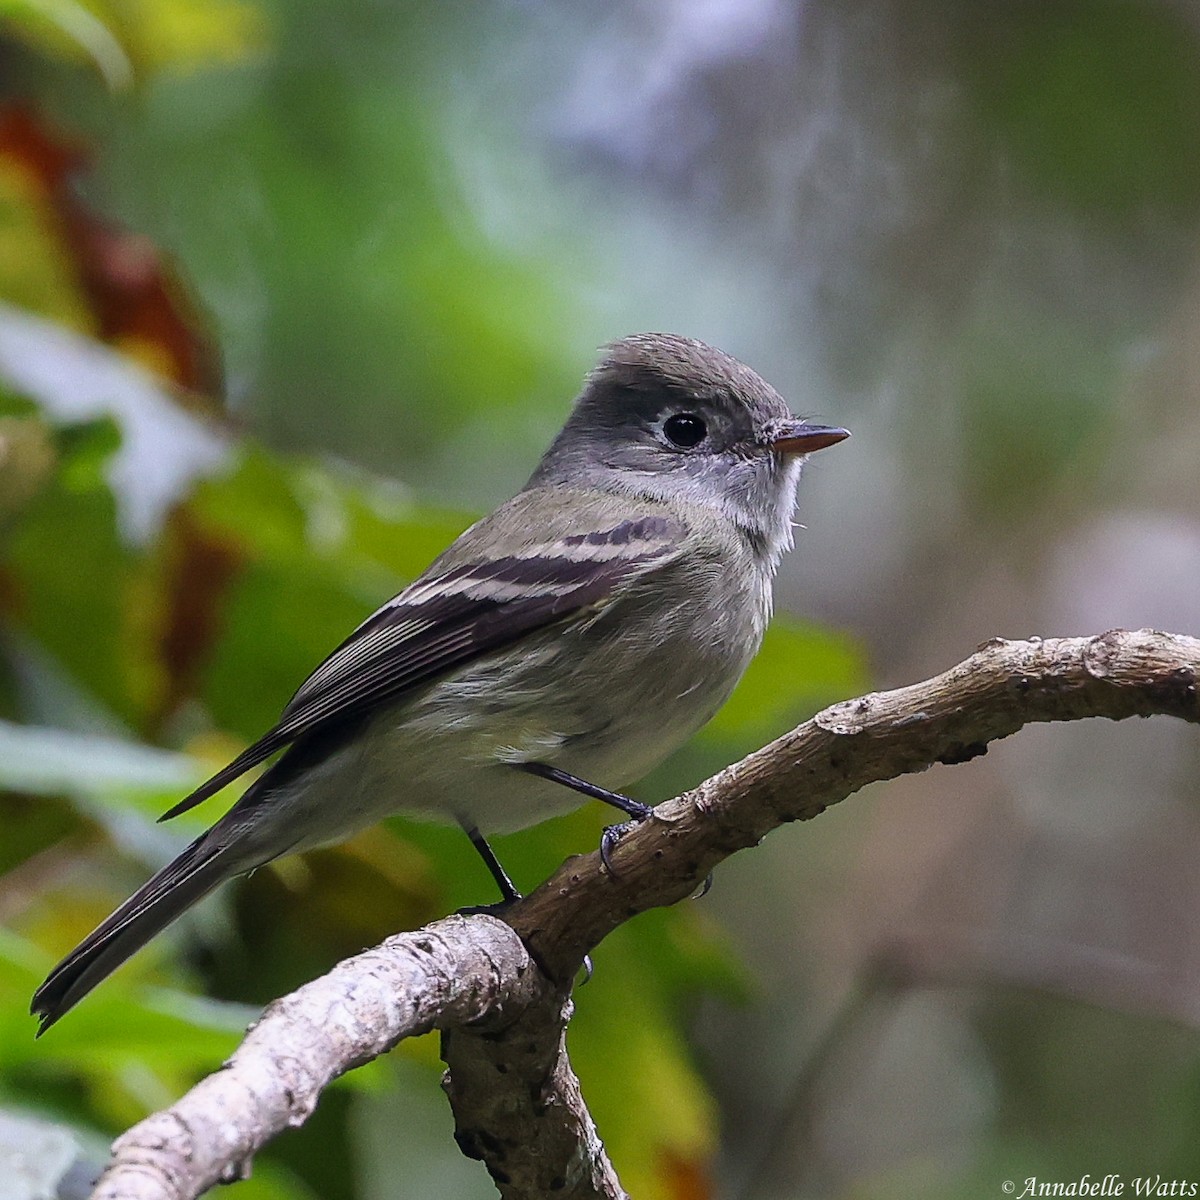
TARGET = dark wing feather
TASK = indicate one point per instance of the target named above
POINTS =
(451, 617)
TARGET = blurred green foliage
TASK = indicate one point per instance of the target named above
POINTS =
(1097, 103)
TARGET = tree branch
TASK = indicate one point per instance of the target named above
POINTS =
(516, 1102)
(948, 719)
(456, 972)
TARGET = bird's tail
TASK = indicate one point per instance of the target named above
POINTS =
(180, 884)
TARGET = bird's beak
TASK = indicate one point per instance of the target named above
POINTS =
(796, 437)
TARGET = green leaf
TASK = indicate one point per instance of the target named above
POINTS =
(75, 380)
(66, 26)
(52, 762)
(119, 1026)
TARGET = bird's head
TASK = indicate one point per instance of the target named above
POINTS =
(671, 418)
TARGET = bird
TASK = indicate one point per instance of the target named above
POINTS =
(559, 648)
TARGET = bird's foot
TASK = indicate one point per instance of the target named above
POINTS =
(614, 833)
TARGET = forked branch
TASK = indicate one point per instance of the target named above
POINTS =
(502, 1001)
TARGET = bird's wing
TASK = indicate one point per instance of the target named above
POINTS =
(464, 607)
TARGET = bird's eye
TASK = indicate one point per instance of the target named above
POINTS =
(684, 430)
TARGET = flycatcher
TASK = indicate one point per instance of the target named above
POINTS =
(558, 650)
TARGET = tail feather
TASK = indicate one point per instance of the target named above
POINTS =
(179, 885)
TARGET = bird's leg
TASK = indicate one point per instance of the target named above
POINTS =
(508, 889)
(635, 810)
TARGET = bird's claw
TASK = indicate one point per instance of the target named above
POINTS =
(608, 839)
(614, 833)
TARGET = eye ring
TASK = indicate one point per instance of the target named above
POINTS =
(685, 430)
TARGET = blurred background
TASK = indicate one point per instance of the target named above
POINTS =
(291, 292)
